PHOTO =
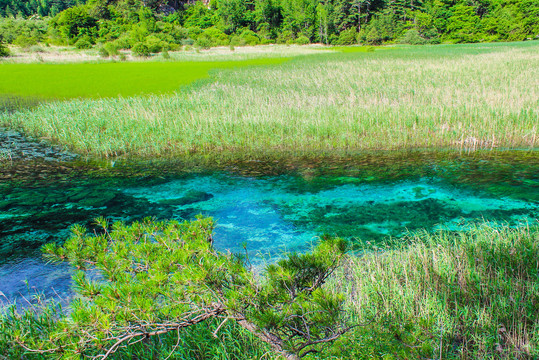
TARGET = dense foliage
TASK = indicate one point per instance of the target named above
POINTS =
(157, 278)
(151, 26)
(4, 51)
(22, 8)
(465, 295)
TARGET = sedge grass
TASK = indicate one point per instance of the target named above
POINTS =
(470, 295)
(479, 96)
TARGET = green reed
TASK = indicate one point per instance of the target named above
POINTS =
(471, 295)
(467, 97)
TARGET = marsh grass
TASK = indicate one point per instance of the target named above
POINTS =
(466, 97)
(66, 55)
(471, 295)
(11, 103)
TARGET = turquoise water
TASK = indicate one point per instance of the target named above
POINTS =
(268, 205)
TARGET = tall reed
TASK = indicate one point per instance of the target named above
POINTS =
(466, 97)
(468, 295)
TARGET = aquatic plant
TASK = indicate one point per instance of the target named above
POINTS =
(466, 295)
(464, 97)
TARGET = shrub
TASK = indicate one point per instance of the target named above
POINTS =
(412, 37)
(164, 277)
(347, 37)
(302, 40)
(141, 49)
(188, 42)
(216, 36)
(203, 42)
(237, 41)
(285, 37)
(112, 49)
(84, 43)
(155, 44)
(24, 41)
(373, 36)
(122, 43)
(35, 49)
(4, 51)
(250, 37)
(103, 52)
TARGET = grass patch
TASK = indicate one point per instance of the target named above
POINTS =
(11, 103)
(471, 295)
(479, 96)
(99, 80)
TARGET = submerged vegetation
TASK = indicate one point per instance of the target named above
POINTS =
(444, 96)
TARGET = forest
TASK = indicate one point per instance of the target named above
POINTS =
(151, 26)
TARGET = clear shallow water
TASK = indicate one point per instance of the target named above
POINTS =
(268, 205)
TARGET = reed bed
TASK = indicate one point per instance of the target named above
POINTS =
(470, 295)
(479, 96)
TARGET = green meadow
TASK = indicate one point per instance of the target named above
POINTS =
(478, 96)
(109, 79)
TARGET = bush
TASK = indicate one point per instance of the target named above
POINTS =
(188, 42)
(412, 37)
(285, 37)
(141, 49)
(302, 40)
(237, 41)
(35, 49)
(347, 37)
(24, 41)
(112, 49)
(84, 43)
(154, 44)
(203, 42)
(103, 52)
(122, 43)
(249, 37)
(4, 51)
(216, 36)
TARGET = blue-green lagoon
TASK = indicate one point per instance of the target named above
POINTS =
(267, 203)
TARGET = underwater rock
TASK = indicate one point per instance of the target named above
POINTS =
(16, 146)
(191, 197)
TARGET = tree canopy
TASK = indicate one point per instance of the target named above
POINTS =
(161, 24)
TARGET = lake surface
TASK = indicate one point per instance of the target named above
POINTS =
(270, 204)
